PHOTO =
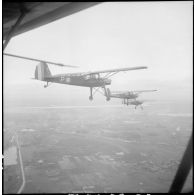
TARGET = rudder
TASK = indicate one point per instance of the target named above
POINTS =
(42, 71)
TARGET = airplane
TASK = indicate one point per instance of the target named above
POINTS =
(125, 95)
(134, 102)
(93, 80)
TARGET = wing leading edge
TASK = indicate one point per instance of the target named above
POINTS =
(102, 71)
(139, 91)
(39, 60)
(38, 13)
(116, 70)
(143, 91)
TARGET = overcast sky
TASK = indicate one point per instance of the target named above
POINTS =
(109, 35)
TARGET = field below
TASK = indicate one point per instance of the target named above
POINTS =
(95, 149)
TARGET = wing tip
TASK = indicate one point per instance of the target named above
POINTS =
(71, 66)
(141, 67)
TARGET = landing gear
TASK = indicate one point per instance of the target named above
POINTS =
(126, 102)
(91, 94)
(107, 99)
(104, 92)
(107, 93)
(46, 85)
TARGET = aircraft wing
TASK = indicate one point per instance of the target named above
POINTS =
(96, 72)
(127, 92)
(120, 92)
(143, 91)
(115, 70)
(37, 14)
(38, 60)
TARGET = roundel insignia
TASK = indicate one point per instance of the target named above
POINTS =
(61, 78)
(68, 79)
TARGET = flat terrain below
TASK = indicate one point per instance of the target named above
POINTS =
(95, 149)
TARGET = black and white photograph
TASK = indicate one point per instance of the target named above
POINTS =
(97, 97)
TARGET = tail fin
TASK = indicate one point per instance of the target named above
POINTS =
(42, 71)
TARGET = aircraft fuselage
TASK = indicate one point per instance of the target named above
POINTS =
(124, 96)
(135, 102)
(79, 81)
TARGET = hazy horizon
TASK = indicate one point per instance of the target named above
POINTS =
(109, 35)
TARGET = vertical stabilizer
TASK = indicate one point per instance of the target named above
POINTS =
(42, 71)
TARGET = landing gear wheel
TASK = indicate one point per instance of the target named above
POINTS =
(107, 99)
(90, 98)
(46, 85)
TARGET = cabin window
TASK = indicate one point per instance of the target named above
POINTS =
(94, 76)
(87, 77)
(68, 79)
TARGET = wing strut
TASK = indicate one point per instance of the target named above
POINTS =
(15, 26)
(110, 74)
(183, 170)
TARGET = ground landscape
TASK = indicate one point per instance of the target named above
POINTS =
(93, 149)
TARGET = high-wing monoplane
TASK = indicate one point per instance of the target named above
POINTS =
(134, 102)
(93, 79)
(125, 95)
